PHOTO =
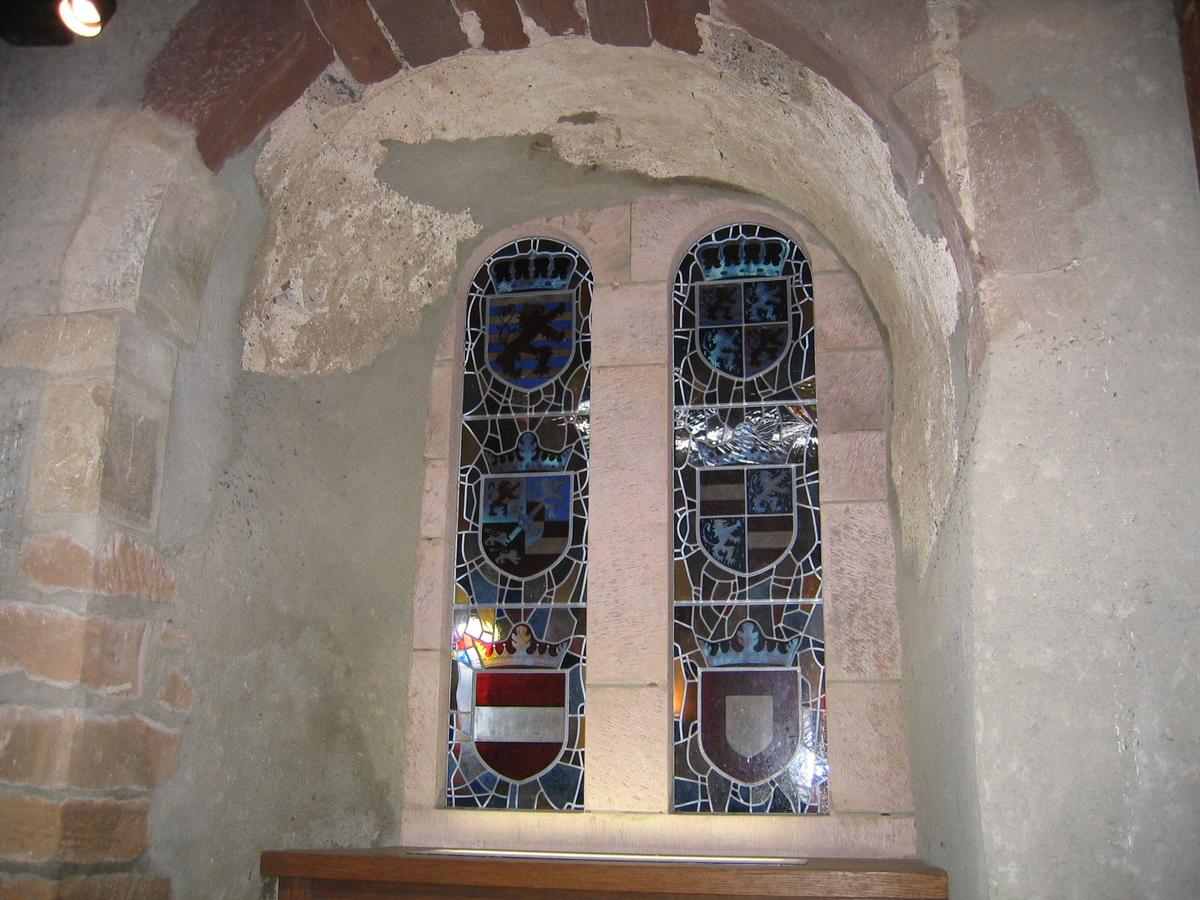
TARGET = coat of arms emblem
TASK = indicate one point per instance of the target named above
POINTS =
(743, 328)
(525, 525)
(750, 705)
(747, 515)
(530, 337)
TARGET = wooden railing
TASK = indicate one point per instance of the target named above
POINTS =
(402, 872)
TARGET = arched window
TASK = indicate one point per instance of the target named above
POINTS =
(749, 696)
(520, 568)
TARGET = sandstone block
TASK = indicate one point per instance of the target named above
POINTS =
(868, 748)
(430, 596)
(19, 394)
(853, 466)
(442, 410)
(843, 317)
(60, 344)
(631, 325)
(555, 16)
(54, 561)
(629, 556)
(425, 756)
(58, 646)
(64, 748)
(501, 20)
(851, 390)
(134, 448)
(674, 24)
(188, 227)
(146, 355)
(628, 749)
(177, 692)
(77, 831)
(434, 499)
(226, 87)
(620, 22)
(130, 568)
(424, 30)
(1030, 172)
(863, 638)
(103, 265)
(70, 445)
(356, 38)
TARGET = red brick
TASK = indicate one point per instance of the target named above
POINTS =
(555, 16)
(424, 30)
(177, 692)
(360, 45)
(620, 22)
(63, 748)
(77, 831)
(55, 561)
(230, 67)
(501, 21)
(131, 568)
(673, 23)
(58, 646)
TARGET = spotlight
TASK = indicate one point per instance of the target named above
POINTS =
(86, 17)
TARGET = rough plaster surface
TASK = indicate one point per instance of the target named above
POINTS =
(286, 514)
(742, 114)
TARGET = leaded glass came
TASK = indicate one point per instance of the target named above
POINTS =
(518, 640)
(749, 687)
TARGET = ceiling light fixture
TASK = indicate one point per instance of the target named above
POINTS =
(86, 18)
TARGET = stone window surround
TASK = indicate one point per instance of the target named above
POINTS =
(634, 250)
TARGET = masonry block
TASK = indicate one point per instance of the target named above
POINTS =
(360, 45)
(843, 317)
(60, 344)
(34, 830)
(176, 692)
(431, 594)
(674, 24)
(851, 390)
(863, 632)
(1030, 173)
(134, 448)
(868, 748)
(629, 553)
(424, 30)
(188, 228)
(434, 498)
(66, 749)
(60, 647)
(631, 325)
(425, 741)
(501, 21)
(620, 22)
(853, 466)
(441, 410)
(86, 887)
(19, 393)
(70, 445)
(628, 749)
(226, 87)
(555, 17)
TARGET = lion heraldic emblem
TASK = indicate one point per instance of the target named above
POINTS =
(526, 526)
(747, 515)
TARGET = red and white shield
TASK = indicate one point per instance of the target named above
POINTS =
(520, 720)
(750, 721)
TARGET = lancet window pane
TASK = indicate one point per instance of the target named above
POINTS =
(749, 686)
(519, 633)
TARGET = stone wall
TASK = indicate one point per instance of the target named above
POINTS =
(1013, 184)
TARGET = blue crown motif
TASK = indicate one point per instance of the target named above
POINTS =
(534, 271)
(749, 647)
(526, 456)
(744, 257)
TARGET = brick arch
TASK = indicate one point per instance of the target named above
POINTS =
(228, 87)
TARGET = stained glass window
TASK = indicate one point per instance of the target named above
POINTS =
(749, 686)
(520, 578)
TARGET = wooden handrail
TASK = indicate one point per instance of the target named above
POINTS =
(399, 871)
